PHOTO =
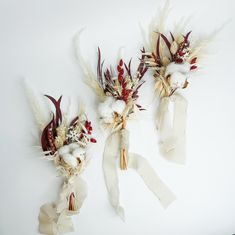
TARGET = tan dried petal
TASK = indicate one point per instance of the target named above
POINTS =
(165, 61)
(174, 47)
(180, 39)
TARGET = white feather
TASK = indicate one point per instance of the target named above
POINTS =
(89, 74)
(35, 105)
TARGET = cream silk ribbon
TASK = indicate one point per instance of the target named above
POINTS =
(171, 127)
(113, 145)
(55, 218)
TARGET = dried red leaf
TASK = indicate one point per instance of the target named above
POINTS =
(92, 140)
(181, 53)
(193, 67)
(48, 145)
(194, 60)
(187, 36)
(166, 41)
(58, 114)
(178, 60)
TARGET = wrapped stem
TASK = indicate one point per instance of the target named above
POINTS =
(123, 153)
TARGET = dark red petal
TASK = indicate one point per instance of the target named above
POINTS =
(193, 67)
(93, 140)
(181, 53)
(193, 61)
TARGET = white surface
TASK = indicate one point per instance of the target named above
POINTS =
(36, 43)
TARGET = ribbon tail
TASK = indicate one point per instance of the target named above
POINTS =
(52, 223)
(172, 127)
(55, 218)
(151, 179)
(111, 151)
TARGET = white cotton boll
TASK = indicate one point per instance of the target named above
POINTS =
(82, 157)
(63, 150)
(70, 159)
(178, 79)
(109, 100)
(173, 67)
(78, 152)
(73, 146)
(104, 110)
(119, 106)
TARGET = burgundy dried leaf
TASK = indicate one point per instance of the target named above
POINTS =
(58, 114)
(193, 67)
(74, 121)
(172, 37)
(158, 48)
(187, 36)
(166, 41)
(194, 60)
(46, 146)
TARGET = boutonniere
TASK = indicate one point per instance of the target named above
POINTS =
(117, 89)
(173, 58)
(65, 143)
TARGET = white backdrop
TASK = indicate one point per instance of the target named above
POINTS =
(36, 43)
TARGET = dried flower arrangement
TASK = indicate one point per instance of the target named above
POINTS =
(171, 63)
(65, 143)
(172, 59)
(118, 95)
(120, 90)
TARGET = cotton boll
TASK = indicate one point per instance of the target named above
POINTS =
(82, 157)
(73, 146)
(178, 79)
(70, 159)
(118, 106)
(173, 67)
(104, 110)
(77, 152)
(109, 100)
(63, 150)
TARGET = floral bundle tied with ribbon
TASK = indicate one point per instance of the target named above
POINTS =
(173, 59)
(65, 143)
(118, 93)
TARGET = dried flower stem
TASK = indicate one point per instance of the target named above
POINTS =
(123, 154)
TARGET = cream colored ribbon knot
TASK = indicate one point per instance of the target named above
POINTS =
(54, 218)
(136, 162)
(171, 127)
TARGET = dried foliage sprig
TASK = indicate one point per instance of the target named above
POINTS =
(120, 88)
(172, 61)
(173, 56)
(65, 142)
(122, 84)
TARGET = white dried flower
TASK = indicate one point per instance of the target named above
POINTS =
(179, 73)
(71, 153)
(107, 109)
(118, 106)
